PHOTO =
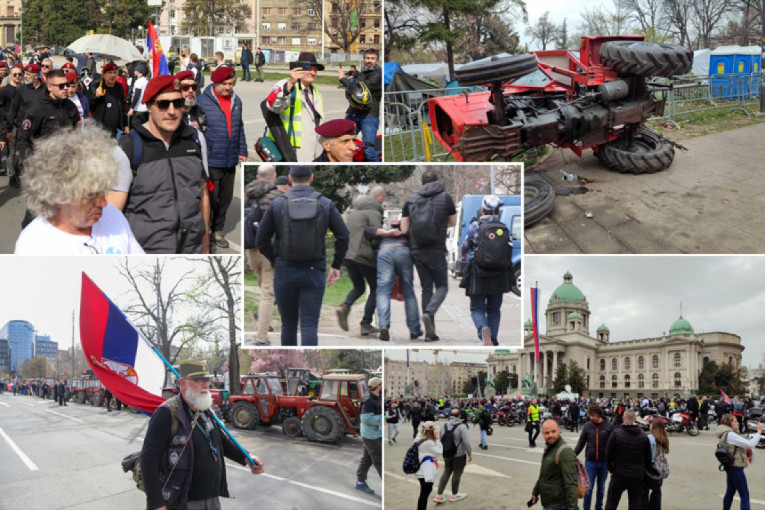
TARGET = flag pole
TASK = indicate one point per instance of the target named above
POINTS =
(217, 420)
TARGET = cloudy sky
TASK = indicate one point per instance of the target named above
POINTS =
(559, 10)
(640, 296)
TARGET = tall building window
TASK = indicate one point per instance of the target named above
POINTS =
(626, 381)
(614, 381)
(641, 381)
(655, 380)
(602, 364)
(655, 361)
(281, 26)
(614, 364)
(282, 11)
(678, 359)
(641, 362)
(266, 11)
(627, 363)
(296, 27)
(602, 381)
(311, 12)
(265, 26)
(677, 380)
(556, 317)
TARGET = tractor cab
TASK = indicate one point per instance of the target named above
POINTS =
(301, 381)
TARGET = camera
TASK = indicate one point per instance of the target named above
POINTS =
(306, 66)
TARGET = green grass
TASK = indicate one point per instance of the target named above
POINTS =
(707, 122)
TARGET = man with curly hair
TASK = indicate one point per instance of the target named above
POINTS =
(65, 183)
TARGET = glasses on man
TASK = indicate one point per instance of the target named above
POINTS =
(15, 74)
(164, 104)
(186, 88)
(46, 66)
(61, 86)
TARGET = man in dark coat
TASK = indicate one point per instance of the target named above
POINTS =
(107, 101)
(628, 454)
(367, 120)
(594, 438)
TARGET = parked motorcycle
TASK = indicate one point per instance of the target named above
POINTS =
(680, 421)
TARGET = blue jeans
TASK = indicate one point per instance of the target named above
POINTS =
(736, 483)
(368, 126)
(483, 438)
(485, 310)
(299, 292)
(246, 70)
(393, 261)
(599, 470)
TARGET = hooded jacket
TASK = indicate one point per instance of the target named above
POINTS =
(372, 76)
(461, 435)
(595, 437)
(371, 417)
(432, 191)
(367, 213)
(628, 452)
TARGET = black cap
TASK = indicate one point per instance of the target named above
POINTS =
(282, 180)
(300, 171)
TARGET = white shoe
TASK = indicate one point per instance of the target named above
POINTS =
(457, 497)
(438, 498)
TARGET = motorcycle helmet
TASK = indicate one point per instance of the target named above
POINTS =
(359, 95)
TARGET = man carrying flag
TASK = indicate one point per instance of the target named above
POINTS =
(182, 462)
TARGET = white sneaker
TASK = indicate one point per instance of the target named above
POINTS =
(457, 497)
(439, 498)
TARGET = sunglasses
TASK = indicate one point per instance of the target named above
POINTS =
(46, 67)
(186, 88)
(61, 86)
(164, 104)
(15, 74)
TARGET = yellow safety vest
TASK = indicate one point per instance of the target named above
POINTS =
(296, 139)
(533, 413)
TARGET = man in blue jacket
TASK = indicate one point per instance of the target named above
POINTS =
(371, 434)
(226, 145)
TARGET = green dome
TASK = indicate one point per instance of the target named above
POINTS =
(575, 315)
(528, 323)
(567, 291)
(603, 327)
(681, 327)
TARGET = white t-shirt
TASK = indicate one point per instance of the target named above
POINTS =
(111, 234)
(140, 84)
(78, 104)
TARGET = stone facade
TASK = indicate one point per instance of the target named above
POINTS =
(431, 379)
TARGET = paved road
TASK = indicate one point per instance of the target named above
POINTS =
(503, 476)
(55, 457)
(711, 200)
(453, 323)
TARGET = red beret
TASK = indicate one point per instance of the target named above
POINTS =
(68, 65)
(335, 128)
(222, 73)
(3, 63)
(32, 68)
(160, 84)
(19, 65)
(111, 66)
(70, 74)
(184, 75)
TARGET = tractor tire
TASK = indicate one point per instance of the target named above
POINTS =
(643, 58)
(498, 69)
(323, 424)
(538, 201)
(516, 282)
(97, 399)
(81, 397)
(291, 427)
(647, 154)
(245, 416)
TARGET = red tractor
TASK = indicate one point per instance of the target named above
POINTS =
(597, 100)
(325, 419)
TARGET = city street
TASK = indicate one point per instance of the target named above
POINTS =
(69, 457)
(502, 477)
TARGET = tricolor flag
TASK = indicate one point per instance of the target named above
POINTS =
(120, 356)
(535, 319)
(724, 396)
(157, 59)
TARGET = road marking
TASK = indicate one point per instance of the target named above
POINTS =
(755, 501)
(65, 416)
(3, 403)
(375, 504)
(31, 465)
(536, 463)
(472, 467)
(409, 478)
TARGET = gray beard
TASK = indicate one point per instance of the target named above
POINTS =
(190, 103)
(198, 400)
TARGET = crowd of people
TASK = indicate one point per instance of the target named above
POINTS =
(374, 254)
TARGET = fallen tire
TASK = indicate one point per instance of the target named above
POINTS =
(291, 427)
(245, 416)
(538, 201)
(644, 153)
(643, 58)
(322, 424)
(497, 69)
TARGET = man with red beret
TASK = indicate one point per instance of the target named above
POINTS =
(226, 144)
(7, 93)
(338, 137)
(3, 69)
(7, 77)
(107, 100)
(162, 185)
(193, 115)
(27, 96)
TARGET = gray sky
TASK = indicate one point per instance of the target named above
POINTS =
(640, 296)
(559, 10)
(45, 290)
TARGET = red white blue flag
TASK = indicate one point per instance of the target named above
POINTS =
(157, 58)
(119, 355)
(724, 396)
(535, 318)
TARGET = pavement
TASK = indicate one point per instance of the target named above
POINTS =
(503, 476)
(69, 457)
(710, 200)
(453, 323)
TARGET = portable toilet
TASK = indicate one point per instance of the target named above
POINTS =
(721, 69)
(747, 63)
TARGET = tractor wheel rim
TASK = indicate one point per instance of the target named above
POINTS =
(322, 425)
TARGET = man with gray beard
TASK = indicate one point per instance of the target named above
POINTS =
(193, 115)
(181, 459)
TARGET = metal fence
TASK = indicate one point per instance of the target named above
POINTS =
(408, 136)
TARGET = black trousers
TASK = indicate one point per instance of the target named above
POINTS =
(434, 278)
(221, 196)
(534, 429)
(359, 273)
(425, 489)
(634, 488)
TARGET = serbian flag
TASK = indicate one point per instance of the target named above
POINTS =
(724, 396)
(156, 57)
(535, 318)
(120, 356)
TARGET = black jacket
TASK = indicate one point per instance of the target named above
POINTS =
(628, 453)
(44, 119)
(372, 76)
(111, 108)
(7, 94)
(26, 96)
(595, 438)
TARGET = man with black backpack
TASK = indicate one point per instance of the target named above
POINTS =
(425, 217)
(488, 248)
(300, 220)
(455, 439)
(259, 195)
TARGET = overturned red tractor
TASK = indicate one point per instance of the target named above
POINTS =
(599, 100)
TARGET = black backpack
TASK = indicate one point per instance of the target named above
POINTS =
(494, 250)
(447, 440)
(302, 235)
(412, 459)
(724, 457)
(422, 221)
(251, 219)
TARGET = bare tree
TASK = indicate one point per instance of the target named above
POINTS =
(562, 43)
(649, 16)
(707, 16)
(343, 26)
(678, 13)
(603, 21)
(544, 31)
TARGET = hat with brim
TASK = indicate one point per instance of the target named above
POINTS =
(306, 57)
(193, 370)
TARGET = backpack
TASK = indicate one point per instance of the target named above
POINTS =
(412, 459)
(251, 220)
(724, 457)
(422, 221)
(447, 440)
(661, 465)
(494, 250)
(582, 480)
(302, 232)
